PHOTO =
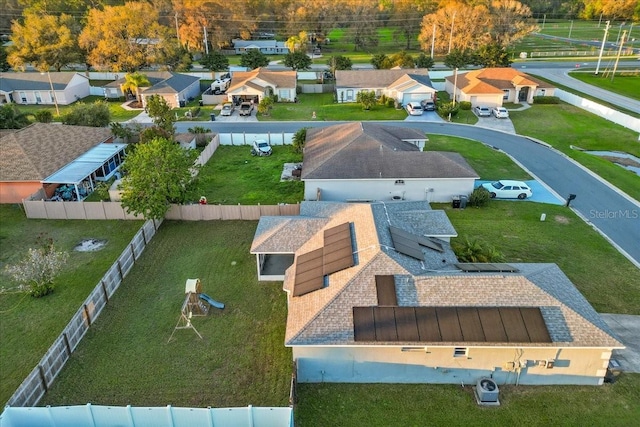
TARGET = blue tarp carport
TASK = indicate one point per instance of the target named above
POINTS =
(99, 163)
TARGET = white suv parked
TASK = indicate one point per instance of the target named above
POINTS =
(414, 109)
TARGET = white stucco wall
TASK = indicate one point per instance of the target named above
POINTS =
(438, 365)
(385, 189)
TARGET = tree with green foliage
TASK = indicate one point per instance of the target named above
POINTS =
(215, 61)
(339, 62)
(160, 112)
(297, 43)
(157, 174)
(380, 61)
(94, 115)
(491, 55)
(12, 118)
(297, 60)
(43, 116)
(39, 267)
(424, 61)
(133, 82)
(253, 59)
(174, 57)
(298, 140)
(401, 59)
(458, 58)
(44, 41)
(265, 105)
(4, 64)
(367, 98)
(474, 250)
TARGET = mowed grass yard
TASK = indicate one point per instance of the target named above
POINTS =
(28, 326)
(626, 83)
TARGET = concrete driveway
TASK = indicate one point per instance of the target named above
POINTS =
(503, 125)
(627, 329)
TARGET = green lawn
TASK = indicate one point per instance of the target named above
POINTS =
(563, 125)
(487, 162)
(118, 114)
(625, 83)
(28, 326)
(439, 405)
(326, 109)
(241, 360)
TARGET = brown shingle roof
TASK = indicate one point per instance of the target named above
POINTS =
(283, 79)
(35, 152)
(374, 78)
(369, 150)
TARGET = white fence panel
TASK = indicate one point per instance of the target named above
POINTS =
(602, 111)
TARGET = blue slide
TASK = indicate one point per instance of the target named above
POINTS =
(211, 301)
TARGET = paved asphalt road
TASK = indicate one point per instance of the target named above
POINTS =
(615, 215)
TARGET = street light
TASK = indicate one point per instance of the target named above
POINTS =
(53, 94)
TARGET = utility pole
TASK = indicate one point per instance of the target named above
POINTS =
(600, 20)
(433, 39)
(544, 19)
(453, 18)
(604, 40)
(570, 29)
(177, 28)
(615, 67)
(206, 42)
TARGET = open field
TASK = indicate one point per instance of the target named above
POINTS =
(626, 83)
(28, 326)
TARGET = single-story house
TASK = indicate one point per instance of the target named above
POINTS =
(402, 85)
(492, 86)
(375, 294)
(256, 84)
(364, 161)
(46, 156)
(268, 47)
(114, 89)
(177, 89)
(36, 88)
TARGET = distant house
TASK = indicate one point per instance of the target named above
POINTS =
(363, 161)
(35, 88)
(492, 86)
(402, 85)
(177, 89)
(45, 156)
(375, 294)
(256, 84)
(268, 47)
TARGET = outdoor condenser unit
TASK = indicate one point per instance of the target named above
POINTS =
(487, 390)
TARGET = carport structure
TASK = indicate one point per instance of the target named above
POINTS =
(98, 164)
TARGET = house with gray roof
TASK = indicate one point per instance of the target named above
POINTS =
(177, 89)
(401, 85)
(268, 47)
(375, 294)
(364, 161)
(35, 88)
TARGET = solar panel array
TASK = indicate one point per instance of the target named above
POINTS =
(410, 244)
(335, 255)
(450, 324)
(492, 267)
(386, 290)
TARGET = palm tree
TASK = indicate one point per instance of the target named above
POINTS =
(133, 83)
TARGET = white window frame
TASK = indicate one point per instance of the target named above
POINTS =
(461, 352)
(505, 94)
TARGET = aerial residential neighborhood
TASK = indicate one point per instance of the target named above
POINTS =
(319, 213)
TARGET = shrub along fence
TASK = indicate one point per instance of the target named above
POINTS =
(40, 379)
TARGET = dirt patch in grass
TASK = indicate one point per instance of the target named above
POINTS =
(561, 219)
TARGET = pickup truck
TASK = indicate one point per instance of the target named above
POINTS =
(246, 108)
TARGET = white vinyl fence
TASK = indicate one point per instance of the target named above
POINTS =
(602, 111)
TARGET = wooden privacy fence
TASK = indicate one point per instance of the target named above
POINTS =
(40, 379)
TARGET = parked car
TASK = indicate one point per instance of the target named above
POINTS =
(506, 189)
(482, 111)
(261, 148)
(414, 109)
(246, 108)
(227, 109)
(428, 105)
(500, 112)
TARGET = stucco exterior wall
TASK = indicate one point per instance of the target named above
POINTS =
(432, 190)
(586, 366)
(14, 192)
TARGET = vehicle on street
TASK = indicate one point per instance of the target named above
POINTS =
(227, 109)
(482, 111)
(428, 105)
(414, 109)
(507, 189)
(500, 113)
(246, 108)
(261, 148)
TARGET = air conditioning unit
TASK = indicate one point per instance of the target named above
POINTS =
(487, 390)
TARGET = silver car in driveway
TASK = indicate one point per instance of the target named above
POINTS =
(482, 111)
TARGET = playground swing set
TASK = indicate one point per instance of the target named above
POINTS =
(195, 303)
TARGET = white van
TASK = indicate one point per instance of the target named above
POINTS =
(414, 109)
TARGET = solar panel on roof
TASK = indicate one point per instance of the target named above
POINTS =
(386, 290)
(403, 243)
(450, 324)
(309, 276)
(489, 267)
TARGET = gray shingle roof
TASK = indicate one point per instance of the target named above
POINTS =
(10, 82)
(37, 151)
(368, 150)
(375, 78)
(176, 83)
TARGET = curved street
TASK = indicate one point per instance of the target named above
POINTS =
(614, 214)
